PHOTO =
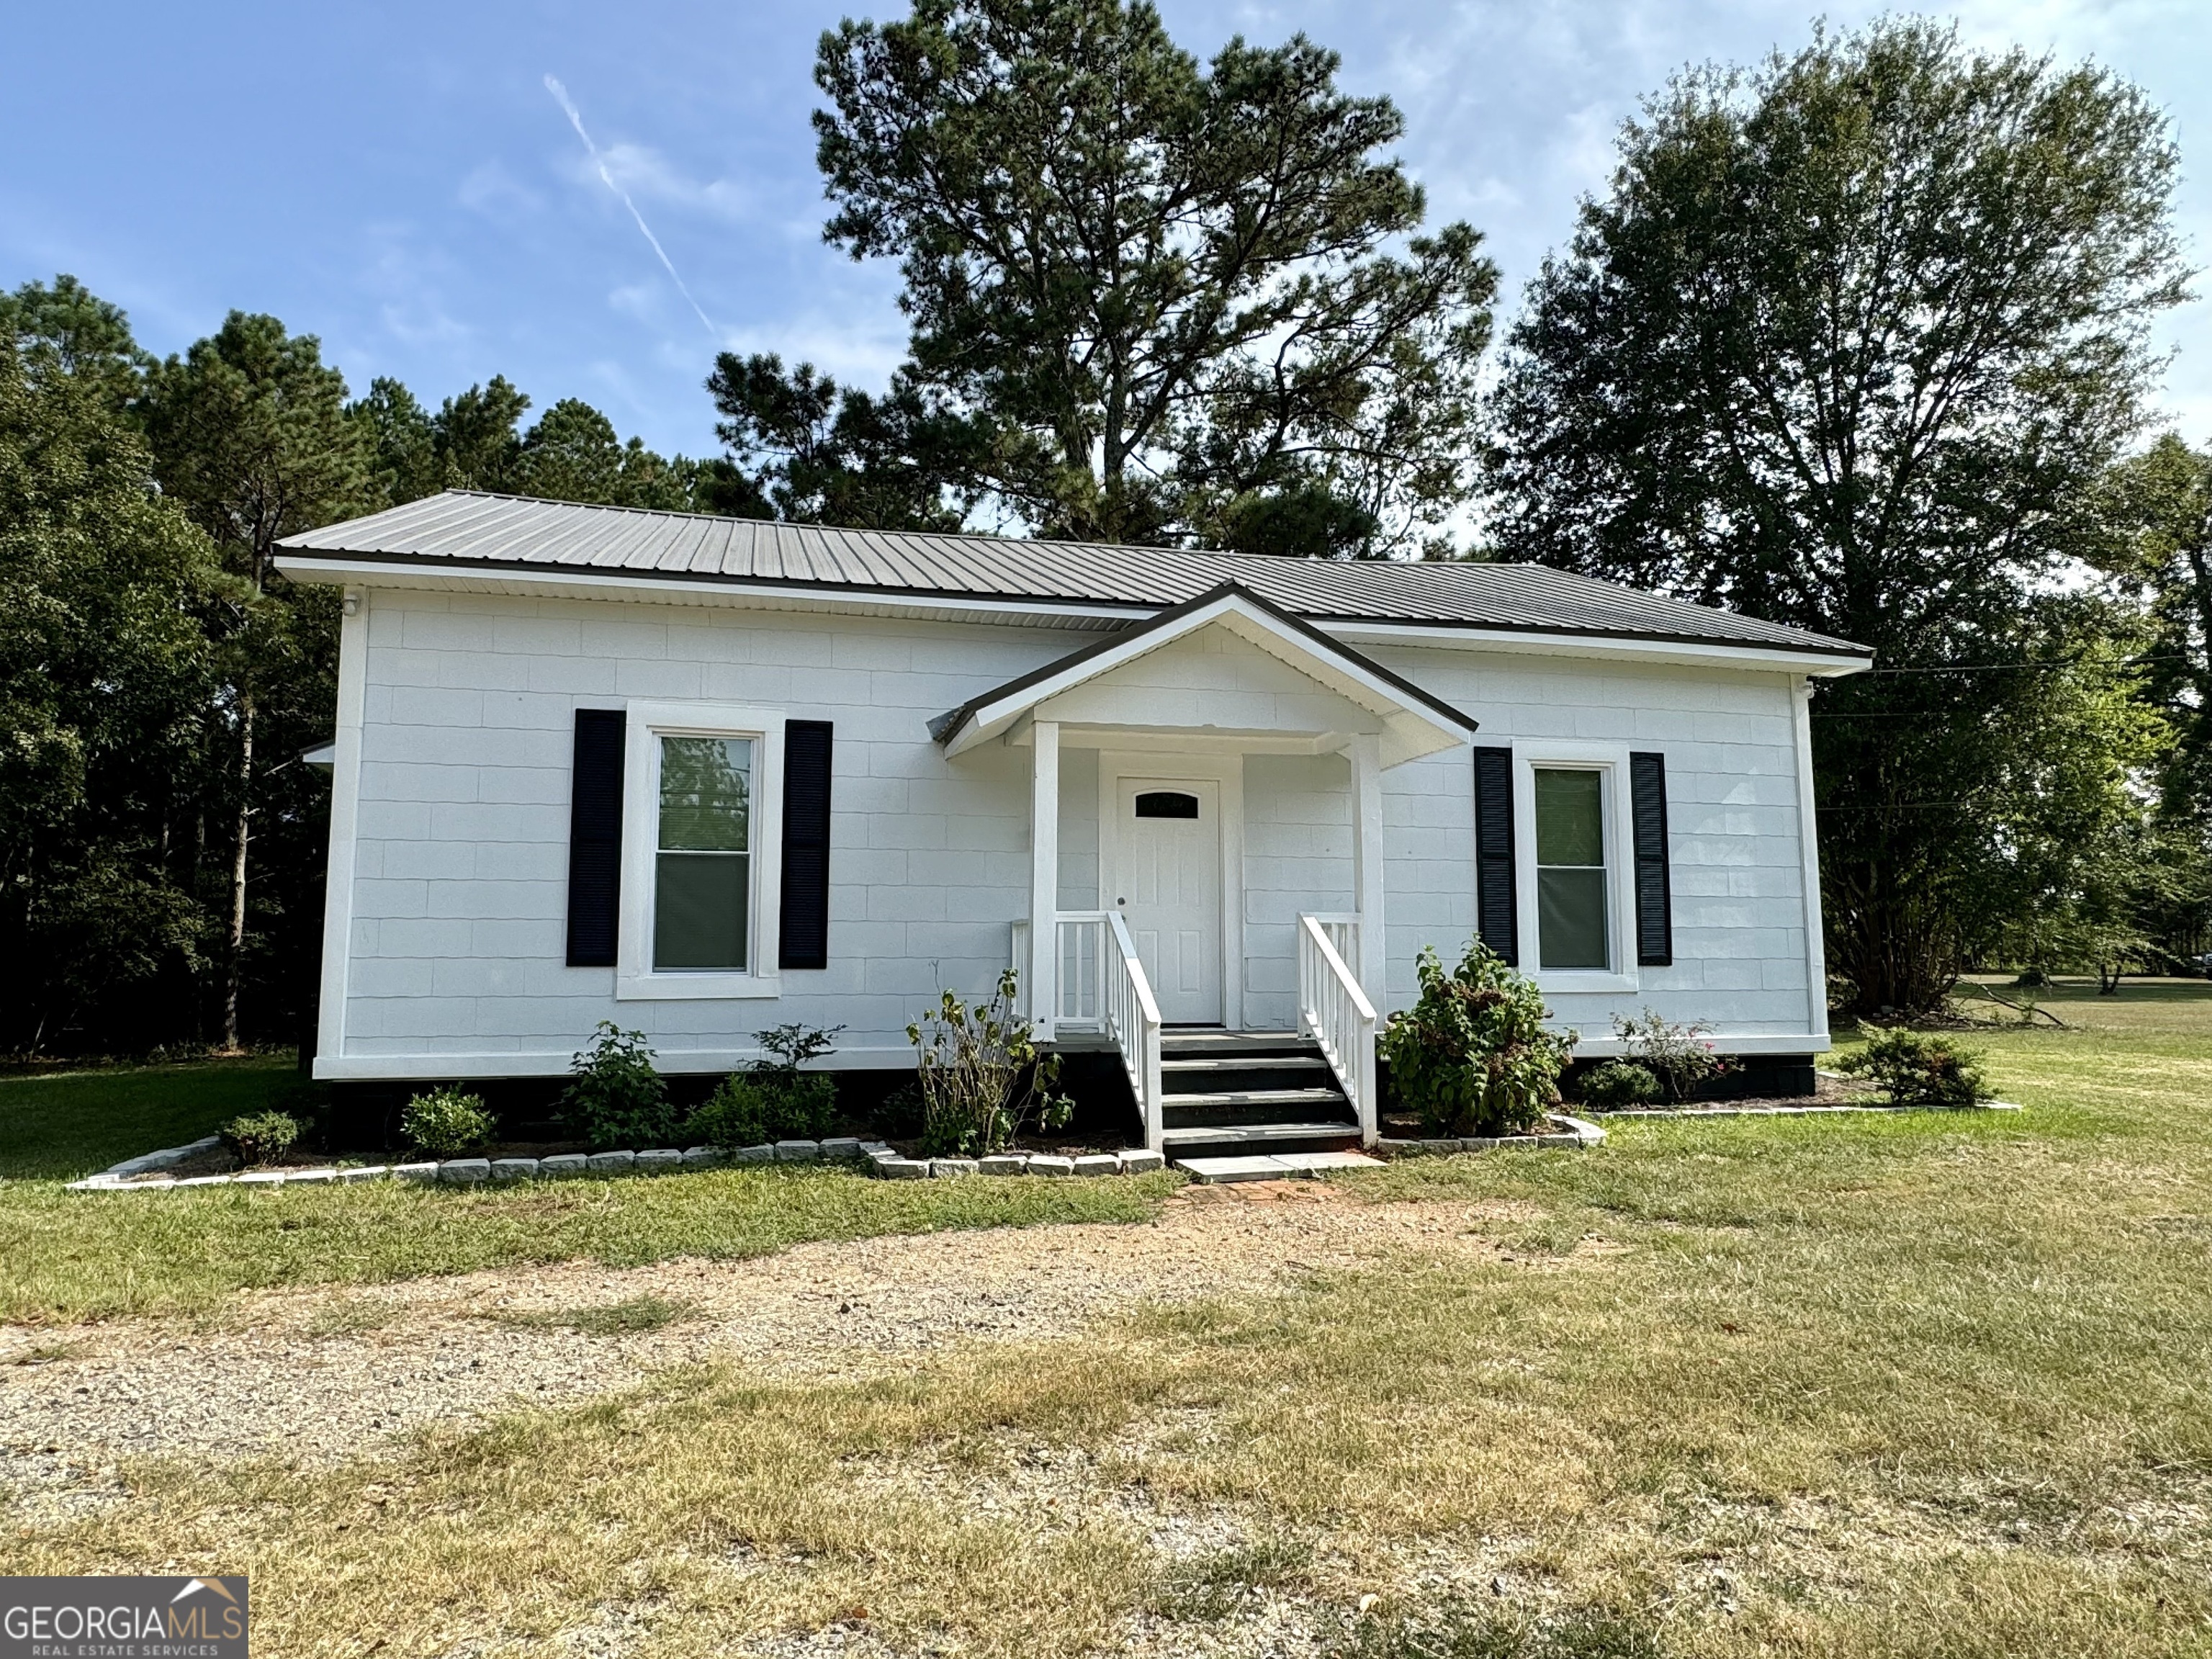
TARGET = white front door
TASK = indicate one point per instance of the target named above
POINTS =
(1169, 890)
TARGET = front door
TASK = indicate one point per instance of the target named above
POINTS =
(1168, 891)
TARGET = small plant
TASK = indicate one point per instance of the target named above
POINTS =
(260, 1136)
(772, 1099)
(617, 1098)
(1919, 1068)
(1678, 1056)
(982, 1080)
(1473, 1056)
(445, 1121)
(900, 1113)
(1617, 1084)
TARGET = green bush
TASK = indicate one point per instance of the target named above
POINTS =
(617, 1098)
(1678, 1057)
(1473, 1056)
(1919, 1068)
(445, 1121)
(260, 1136)
(1617, 1084)
(752, 1107)
(772, 1099)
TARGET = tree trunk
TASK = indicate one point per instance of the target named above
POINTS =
(236, 966)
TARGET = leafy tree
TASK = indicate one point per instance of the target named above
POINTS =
(1851, 343)
(251, 435)
(105, 673)
(473, 443)
(804, 450)
(1149, 301)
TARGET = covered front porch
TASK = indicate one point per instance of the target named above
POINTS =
(1163, 969)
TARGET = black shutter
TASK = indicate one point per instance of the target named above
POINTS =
(1495, 896)
(1654, 920)
(595, 814)
(806, 942)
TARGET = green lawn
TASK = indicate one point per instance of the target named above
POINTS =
(1926, 1384)
(64, 1124)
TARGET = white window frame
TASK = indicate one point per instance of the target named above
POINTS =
(1610, 762)
(636, 978)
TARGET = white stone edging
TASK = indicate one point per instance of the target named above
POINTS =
(1574, 1133)
(876, 1158)
(892, 1165)
(1801, 1111)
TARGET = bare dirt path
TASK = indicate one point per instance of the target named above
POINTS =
(325, 1374)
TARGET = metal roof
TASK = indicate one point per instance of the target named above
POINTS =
(464, 529)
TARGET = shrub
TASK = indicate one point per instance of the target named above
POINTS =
(1473, 1056)
(445, 1121)
(982, 1080)
(1677, 1056)
(902, 1113)
(1919, 1068)
(772, 1099)
(260, 1136)
(1617, 1085)
(617, 1098)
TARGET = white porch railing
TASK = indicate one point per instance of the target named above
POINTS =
(1102, 989)
(1132, 1019)
(1335, 1013)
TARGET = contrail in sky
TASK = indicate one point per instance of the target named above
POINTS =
(576, 120)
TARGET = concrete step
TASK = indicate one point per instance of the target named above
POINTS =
(1275, 1166)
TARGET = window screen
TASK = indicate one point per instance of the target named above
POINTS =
(702, 871)
(1570, 900)
(1166, 804)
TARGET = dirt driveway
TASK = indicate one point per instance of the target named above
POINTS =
(325, 1374)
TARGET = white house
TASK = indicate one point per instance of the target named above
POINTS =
(702, 775)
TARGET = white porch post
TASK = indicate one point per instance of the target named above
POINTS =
(1367, 863)
(1041, 972)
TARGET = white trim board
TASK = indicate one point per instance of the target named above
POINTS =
(345, 816)
(1024, 613)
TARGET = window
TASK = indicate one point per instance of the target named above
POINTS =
(702, 867)
(1166, 804)
(701, 852)
(1572, 926)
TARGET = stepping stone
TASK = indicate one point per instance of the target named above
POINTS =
(1275, 1166)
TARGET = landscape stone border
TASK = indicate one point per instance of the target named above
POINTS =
(873, 1156)
(892, 1165)
(1572, 1132)
(1722, 1109)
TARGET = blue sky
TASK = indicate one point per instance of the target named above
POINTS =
(399, 180)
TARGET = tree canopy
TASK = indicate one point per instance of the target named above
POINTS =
(1853, 343)
(1149, 300)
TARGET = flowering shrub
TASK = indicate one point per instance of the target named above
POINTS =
(445, 1121)
(1473, 1056)
(982, 1079)
(1920, 1068)
(1678, 1056)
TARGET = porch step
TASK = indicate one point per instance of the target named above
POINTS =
(1212, 1043)
(1331, 1095)
(1196, 1138)
(1242, 1063)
